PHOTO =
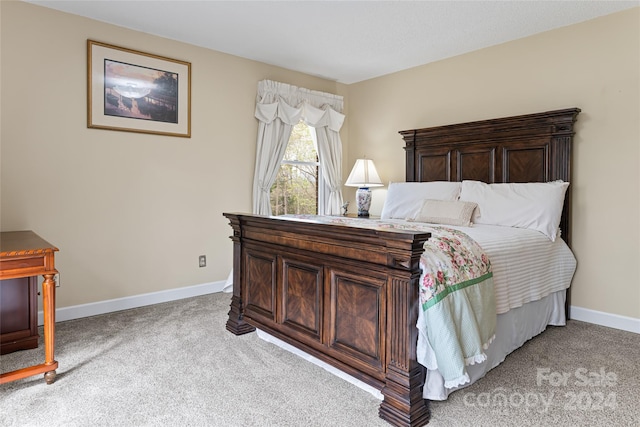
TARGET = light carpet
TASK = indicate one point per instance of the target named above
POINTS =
(174, 364)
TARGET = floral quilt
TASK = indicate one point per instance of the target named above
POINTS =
(458, 303)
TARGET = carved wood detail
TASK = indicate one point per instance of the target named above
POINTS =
(236, 323)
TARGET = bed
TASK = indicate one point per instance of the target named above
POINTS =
(349, 294)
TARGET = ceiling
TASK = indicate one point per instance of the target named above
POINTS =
(343, 41)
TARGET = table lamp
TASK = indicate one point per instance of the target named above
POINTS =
(363, 175)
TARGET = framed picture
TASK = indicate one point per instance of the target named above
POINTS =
(135, 91)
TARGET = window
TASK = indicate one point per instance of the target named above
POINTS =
(295, 190)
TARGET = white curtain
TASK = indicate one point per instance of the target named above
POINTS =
(279, 107)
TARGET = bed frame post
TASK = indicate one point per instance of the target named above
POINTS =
(236, 324)
(403, 404)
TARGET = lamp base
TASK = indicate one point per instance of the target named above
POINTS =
(363, 199)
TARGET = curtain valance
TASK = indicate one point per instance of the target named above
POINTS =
(270, 91)
(312, 116)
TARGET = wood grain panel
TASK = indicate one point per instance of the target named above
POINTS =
(477, 164)
(301, 297)
(260, 286)
(357, 316)
(526, 164)
(435, 165)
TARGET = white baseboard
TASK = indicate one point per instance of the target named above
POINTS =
(109, 306)
(601, 318)
(615, 321)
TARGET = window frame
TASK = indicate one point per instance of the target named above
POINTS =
(321, 186)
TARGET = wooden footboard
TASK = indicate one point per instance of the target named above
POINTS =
(346, 295)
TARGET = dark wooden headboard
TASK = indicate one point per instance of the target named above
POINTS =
(527, 148)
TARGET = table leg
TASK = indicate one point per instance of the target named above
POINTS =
(49, 304)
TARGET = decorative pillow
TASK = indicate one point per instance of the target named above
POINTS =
(404, 199)
(451, 212)
(534, 205)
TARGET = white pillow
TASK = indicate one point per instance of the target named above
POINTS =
(404, 199)
(534, 205)
(450, 212)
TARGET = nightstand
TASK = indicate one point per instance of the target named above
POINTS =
(24, 254)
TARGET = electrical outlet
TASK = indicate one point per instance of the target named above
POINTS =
(56, 279)
(202, 261)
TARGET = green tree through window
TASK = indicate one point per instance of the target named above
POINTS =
(296, 188)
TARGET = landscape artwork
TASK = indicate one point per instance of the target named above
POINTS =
(133, 91)
(140, 92)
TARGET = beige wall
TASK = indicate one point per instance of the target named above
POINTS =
(593, 66)
(130, 212)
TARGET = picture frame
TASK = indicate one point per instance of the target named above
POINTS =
(133, 91)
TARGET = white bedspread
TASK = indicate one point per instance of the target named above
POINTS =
(527, 266)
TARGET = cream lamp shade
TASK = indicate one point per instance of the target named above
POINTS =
(364, 175)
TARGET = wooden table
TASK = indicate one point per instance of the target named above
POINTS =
(24, 254)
